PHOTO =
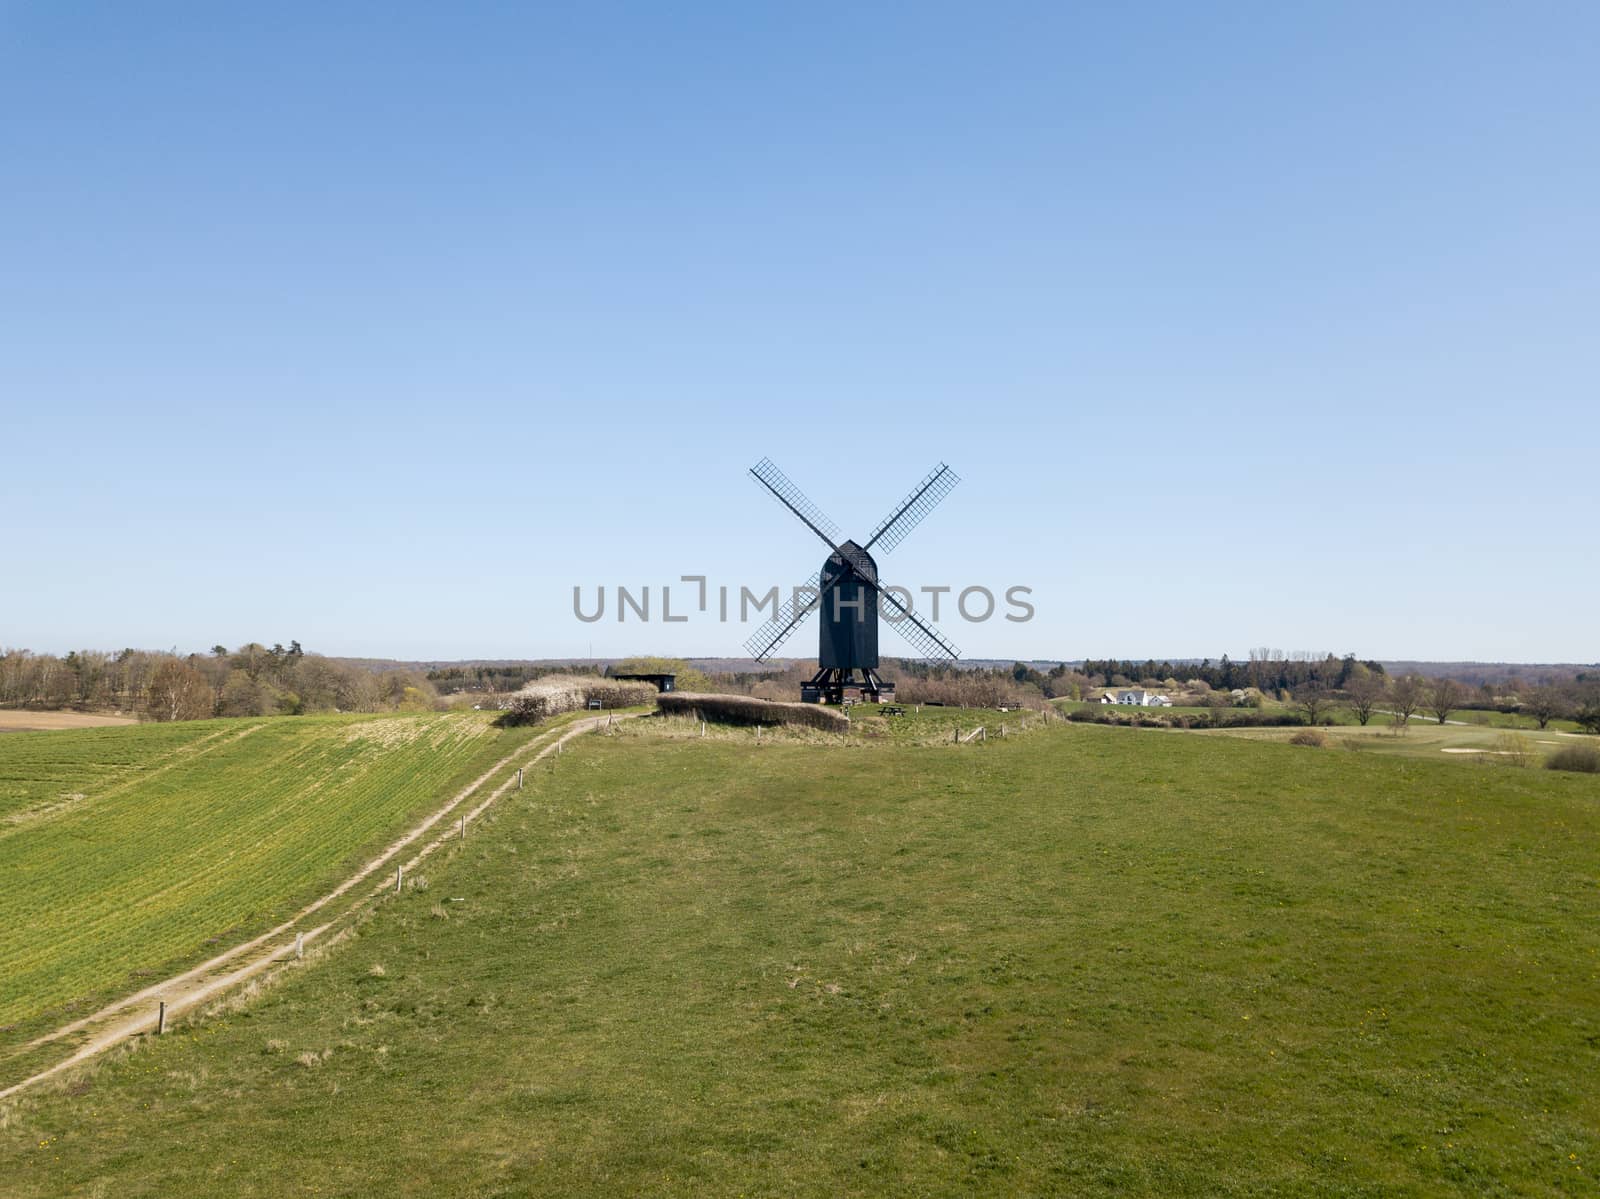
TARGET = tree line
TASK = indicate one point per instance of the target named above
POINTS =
(1369, 694)
(253, 680)
(257, 680)
(1267, 670)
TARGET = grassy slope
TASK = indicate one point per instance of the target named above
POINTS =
(129, 851)
(1084, 960)
(41, 772)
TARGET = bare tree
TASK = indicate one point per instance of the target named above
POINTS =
(179, 692)
(1544, 704)
(1363, 694)
(1405, 697)
(1444, 697)
(1216, 703)
(1314, 701)
(1587, 710)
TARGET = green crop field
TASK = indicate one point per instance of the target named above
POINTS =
(127, 852)
(1077, 961)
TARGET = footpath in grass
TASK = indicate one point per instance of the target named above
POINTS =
(1082, 961)
(131, 852)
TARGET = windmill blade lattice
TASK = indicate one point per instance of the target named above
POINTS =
(921, 635)
(924, 498)
(792, 498)
(791, 613)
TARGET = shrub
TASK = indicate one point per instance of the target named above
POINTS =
(1313, 737)
(1582, 758)
(745, 709)
(558, 693)
(1513, 749)
(968, 690)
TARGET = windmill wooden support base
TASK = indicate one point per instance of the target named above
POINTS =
(836, 685)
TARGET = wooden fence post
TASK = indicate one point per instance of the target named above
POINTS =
(463, 828)
(519, 778)
(399, 878)
(161, 1018)
(299, 946)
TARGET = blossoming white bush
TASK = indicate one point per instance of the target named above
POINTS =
(558, 693)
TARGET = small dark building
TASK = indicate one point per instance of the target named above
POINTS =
(663, 682)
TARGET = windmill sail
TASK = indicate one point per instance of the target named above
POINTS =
(792, 498)
(921, 635)
(924, 498)
(764, 642)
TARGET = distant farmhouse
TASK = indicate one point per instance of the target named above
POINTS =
(1137, 697)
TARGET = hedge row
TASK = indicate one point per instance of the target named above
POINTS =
(745, 709)
(558, 693)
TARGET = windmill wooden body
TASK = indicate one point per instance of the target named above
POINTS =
(850, 596)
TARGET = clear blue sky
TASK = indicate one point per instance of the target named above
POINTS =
(381, 326)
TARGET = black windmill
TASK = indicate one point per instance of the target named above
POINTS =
(847, 591)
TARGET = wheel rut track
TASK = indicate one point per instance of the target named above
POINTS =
(133, 1015)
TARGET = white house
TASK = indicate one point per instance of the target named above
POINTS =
(1140, 698)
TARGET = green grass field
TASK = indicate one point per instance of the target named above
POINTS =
(1484, 745)
(1510, 720)
(1339, 715)
(1080, 961)
(934, 725)
(127, 852)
